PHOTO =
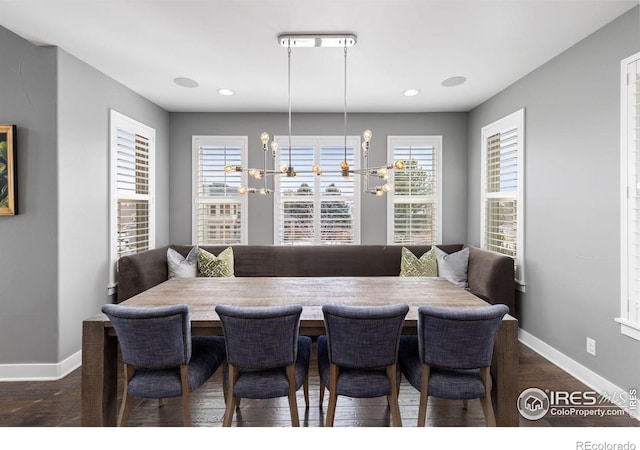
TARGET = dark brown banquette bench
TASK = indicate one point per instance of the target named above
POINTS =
(490, 275)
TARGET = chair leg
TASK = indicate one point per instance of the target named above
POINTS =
(321, 393)
(424, 394)
(305, 389)
(224, 387)
(333, 397)
(231, 399)
(465, 404)
(487, 406)
(186, 405)
(393, 398)
(293, 404)
(127, 401)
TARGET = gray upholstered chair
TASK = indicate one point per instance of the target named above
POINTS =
(451, 355)
(265, 356)
(358, 355)
(161, 359)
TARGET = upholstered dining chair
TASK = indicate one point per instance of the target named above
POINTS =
(451, 355)
(266, 358)
(358, 355)
(160, 358)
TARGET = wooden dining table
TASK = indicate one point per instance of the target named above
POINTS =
(100, 344)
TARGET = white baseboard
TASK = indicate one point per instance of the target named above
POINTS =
(40, 372)
(573, 368)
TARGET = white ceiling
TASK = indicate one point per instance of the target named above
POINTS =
(402, 44)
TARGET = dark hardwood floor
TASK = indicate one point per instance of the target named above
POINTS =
(57, 404)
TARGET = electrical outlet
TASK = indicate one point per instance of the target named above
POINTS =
(591, 346)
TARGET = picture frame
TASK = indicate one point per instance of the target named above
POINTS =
(8, 171)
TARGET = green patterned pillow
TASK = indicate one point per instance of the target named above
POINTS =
(210, 265)
(425, 266)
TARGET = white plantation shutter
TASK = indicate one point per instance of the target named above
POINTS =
(337, 196)
(219, 214)
(502, 172)
(630, 175)
(502, 193)
(312, 209)
(133, 192)
(414, 205)
(132, 179)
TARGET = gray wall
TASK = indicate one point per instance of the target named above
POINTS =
(85, 96)
(28, 245)
(54, 255)
(452, 126)
(572, 213)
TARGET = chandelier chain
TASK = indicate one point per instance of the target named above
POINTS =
(289, 95)
(345, 102)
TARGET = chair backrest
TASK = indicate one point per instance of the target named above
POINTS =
(363, 336)
(152, 337)
(260, 337)
(458, 338)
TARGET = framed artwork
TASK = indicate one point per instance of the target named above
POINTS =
(8, 171)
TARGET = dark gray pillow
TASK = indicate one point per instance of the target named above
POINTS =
(453, 267)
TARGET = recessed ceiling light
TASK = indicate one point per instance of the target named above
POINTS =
(453, 81)
(411, 92)
(225, 91)
(185, 82)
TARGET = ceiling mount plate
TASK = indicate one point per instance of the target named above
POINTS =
(317, 40)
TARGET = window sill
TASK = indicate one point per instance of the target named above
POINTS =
(628, 328)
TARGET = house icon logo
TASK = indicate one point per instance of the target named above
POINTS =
(533, 403)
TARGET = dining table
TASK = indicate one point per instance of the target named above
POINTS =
(100, 362)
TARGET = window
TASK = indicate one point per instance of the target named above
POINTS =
(502, 187)
(219, 211)
(132, 188)
(630, 197)
(312, 209)
(414, 206)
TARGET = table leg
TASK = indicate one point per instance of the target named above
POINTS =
(99, 375)
(505, 372)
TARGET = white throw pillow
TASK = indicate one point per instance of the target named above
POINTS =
(181, 267)
(453, 267)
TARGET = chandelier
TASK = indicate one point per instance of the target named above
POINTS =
(381, 172)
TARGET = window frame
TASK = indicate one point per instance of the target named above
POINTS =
(116, 120)
(436, 141)
(628, 326)
(317, 142)
(196, 141)
(514, 120)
